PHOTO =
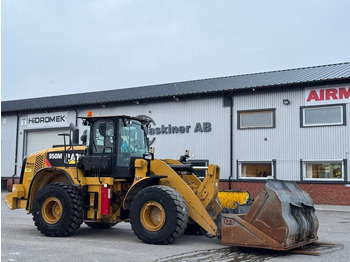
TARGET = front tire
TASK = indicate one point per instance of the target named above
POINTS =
(57, 210)
(158, 215)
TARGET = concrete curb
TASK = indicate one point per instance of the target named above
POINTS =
(332, 208)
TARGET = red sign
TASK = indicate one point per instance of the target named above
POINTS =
(331, 95)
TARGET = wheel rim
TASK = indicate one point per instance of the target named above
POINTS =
(152, 216)
(52, 210)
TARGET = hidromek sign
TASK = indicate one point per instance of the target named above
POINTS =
(327, 95)
(57, 119)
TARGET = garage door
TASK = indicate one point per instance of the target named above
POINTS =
(39, 140)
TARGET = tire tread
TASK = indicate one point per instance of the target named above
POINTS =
(73, 222)
(181, 214)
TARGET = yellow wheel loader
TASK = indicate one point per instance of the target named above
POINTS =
(112, 177)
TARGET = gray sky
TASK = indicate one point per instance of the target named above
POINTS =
(63, 46)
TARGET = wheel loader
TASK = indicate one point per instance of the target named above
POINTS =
(112, 176)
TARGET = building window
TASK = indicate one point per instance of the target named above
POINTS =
(323, 115)
(256, 169)
(256, 119)
(323, 170)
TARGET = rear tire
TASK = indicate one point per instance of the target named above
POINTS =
(158, 215)
(57, 210)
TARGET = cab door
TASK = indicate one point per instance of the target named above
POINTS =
(131, 145)
(101, 159)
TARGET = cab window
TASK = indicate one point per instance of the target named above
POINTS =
(132, 142)
(104, 137)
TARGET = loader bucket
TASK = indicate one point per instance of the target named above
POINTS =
(282, 217)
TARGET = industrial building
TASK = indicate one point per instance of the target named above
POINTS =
(289, 124)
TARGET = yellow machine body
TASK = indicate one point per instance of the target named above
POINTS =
(199, 196)
(93, 183)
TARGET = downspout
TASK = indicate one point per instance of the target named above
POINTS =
(76, 117)
(16, 150)
(231, 144)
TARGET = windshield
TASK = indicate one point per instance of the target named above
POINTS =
(133, 139)
(126, 139)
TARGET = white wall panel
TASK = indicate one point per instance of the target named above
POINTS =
(213, 145)
(43, 139)
(25, 126)
(287, 142)
(8, 145)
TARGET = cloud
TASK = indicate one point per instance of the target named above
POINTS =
(62, 47)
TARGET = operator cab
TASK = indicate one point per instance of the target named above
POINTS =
(113, 144)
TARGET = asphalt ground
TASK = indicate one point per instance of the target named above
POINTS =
(21, 241)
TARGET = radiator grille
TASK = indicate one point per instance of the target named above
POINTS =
(39, 161)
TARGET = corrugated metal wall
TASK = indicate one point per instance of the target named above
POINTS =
(287, 142)
(22, 139)
(212, 146)
(8, 145)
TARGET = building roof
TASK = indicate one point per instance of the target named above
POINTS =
(299, 76)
